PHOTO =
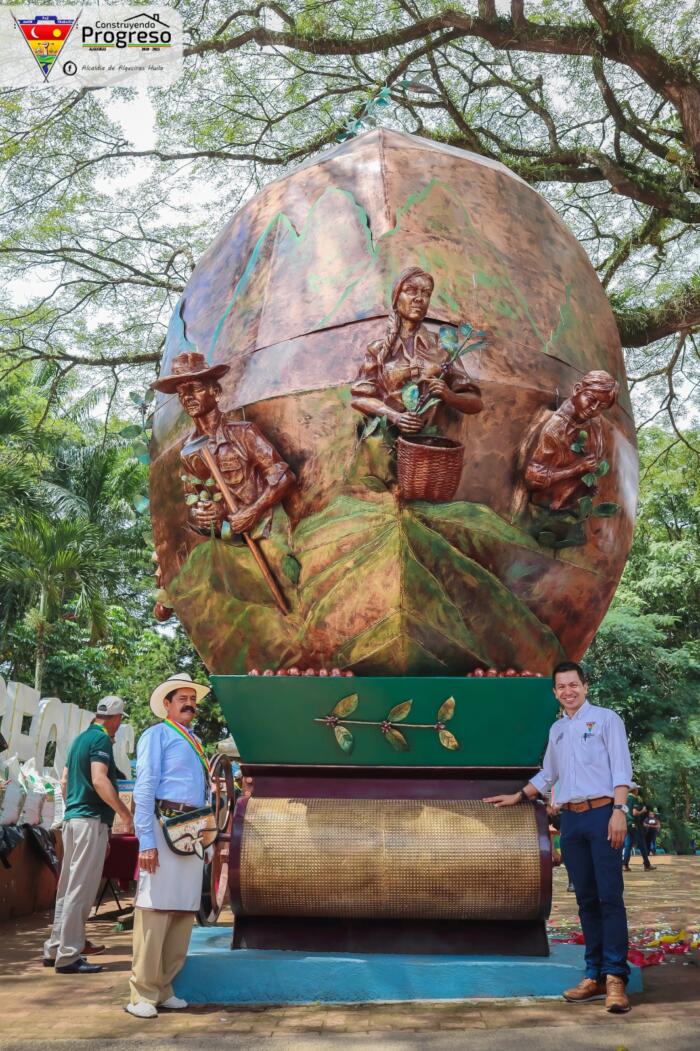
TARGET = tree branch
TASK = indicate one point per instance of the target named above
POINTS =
(679, 312)
(674, 82)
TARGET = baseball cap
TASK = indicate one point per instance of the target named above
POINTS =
(110, 706)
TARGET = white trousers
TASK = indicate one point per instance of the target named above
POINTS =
(84, 849)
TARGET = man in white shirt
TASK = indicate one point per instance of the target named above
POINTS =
(588, 758)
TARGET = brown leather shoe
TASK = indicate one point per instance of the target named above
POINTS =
(587, 989)
(90, 949)
(615, 996)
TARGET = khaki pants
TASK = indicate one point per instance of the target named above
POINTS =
(84, 849)
(161, 940)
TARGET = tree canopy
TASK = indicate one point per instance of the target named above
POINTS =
(595, 103)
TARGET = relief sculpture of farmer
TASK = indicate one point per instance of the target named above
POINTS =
(561, 460)
(555, 469)
(410, 353)
(255, 473)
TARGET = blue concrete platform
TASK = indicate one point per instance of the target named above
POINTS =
(214, 974)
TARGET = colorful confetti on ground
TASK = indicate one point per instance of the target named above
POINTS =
(663, 910)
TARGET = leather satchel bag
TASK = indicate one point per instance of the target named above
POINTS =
(191, 832)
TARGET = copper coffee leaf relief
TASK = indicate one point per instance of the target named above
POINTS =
(345, 706)
(446, 710)
(396, 739)
(338, 721)
(344, 738)
(448, 740)
(400, 712)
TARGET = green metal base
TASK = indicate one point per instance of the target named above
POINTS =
(367, 721)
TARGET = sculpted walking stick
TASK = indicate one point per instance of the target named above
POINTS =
(200, 446)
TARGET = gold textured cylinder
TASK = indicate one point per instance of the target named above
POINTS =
(425, 859)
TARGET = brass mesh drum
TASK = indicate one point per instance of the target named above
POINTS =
(365, 858)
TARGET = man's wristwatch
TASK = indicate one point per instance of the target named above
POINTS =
(523, 796)
(621, 806)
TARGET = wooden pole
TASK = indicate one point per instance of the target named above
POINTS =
(255, 551)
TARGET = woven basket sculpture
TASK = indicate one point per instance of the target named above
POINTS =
(429, 467)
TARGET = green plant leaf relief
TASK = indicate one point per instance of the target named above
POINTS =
(399, 712)
(344, 738)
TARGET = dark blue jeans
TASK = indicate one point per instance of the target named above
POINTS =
(636, 837)
(596, 873)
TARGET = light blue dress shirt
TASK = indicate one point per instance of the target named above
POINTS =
(167, 767)
(587, 756)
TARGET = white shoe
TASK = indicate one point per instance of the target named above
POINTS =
(174, 1003)
(142, 1010)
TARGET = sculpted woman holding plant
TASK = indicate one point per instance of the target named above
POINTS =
(409, 367)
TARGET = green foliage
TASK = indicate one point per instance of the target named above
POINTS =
(645, 659)
(75, 568)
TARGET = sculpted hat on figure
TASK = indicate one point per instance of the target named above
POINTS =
(170, 796)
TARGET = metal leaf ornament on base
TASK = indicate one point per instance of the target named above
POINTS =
(338, 721)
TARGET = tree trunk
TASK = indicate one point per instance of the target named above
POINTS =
(40, 655)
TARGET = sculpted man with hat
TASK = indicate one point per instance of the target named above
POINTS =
(256, 475)
(171, 793)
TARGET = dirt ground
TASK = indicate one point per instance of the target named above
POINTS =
(39, 1008)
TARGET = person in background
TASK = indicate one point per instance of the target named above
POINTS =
(89, 787)
(588, 758)
(652, 826)
(636, 834)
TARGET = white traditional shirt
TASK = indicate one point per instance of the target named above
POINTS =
(167, 767)
(587, 755)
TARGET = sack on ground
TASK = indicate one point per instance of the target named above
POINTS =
(59, 803)
(14, 793)
(36, 794)
(52, 813)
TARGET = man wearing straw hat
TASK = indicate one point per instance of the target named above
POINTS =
(172, 779)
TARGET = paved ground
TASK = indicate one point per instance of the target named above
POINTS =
(40, 1009)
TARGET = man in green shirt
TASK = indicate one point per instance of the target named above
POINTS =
(89, 786)
(636, 835)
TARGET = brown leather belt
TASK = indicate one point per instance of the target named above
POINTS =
(588, 804)
(179, 808)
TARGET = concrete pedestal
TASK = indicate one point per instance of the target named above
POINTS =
(213, 973)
